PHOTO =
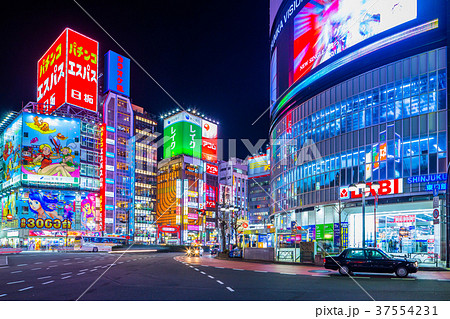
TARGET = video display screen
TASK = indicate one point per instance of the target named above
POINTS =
(324, 28)
(50, 149)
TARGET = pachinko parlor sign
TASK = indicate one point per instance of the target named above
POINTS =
(386, 187)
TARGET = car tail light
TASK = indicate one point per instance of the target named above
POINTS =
(324, 260)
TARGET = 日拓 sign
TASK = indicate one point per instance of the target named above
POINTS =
(427, 178)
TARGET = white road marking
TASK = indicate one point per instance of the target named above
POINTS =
(67, 264)
(259, 271)
(203, 273)
(65, 259)
(66, 273)
(4, 267)
(191, 266)
(52, 266)
(209, 276)
(15, 282)
(44, 277)
(230, 289)
(93, 269)
(120, 262)
(30, 287)
(37, 263)
(97, 266)
(36, 268)
(219, 282)
(53, 261)
(3, 295)
(48, 282)
(80, 262)
(196, 269)
(16, 272)
(22, 265)
(80, 273)
(66, 277)
(84, 269)
(77, 258)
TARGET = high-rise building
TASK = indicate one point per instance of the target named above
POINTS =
(145, 175)
(259, 189)
(187, 181)
(234, 173)
(359, 98)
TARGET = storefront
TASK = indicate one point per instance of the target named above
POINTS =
(401, 229)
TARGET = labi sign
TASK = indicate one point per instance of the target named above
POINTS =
(387, 187)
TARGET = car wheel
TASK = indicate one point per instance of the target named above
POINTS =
(401, 272)
(344, 270)
(95, 249)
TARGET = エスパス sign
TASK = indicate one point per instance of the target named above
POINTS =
(68, 72)
(387, 187)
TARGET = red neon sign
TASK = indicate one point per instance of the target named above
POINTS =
(68, 73)
(212, 169)
(387, 187)
(103, 176)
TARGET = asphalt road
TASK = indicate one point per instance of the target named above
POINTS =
(159, 276)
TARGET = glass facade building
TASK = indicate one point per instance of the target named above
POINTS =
(379, 116)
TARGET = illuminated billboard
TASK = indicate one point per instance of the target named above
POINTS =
(51, 209)
(68, 73)
(209, 141)
(211, 196)
(10, 148)
(325, 28)
(259, 166)
(50, 149)
(183, 135)
(117, 73)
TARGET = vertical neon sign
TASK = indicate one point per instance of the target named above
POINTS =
(103, 175)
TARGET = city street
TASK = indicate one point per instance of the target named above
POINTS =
(172, 276)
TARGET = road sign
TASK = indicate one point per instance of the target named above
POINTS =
(436, 213)
(435, 191)
(436, 202)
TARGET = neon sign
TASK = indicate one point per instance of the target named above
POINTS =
(387, 187)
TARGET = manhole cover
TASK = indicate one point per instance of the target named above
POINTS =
(319, 271)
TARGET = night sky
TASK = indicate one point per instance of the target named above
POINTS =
(212, 55)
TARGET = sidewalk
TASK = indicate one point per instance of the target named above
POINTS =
(298, 269)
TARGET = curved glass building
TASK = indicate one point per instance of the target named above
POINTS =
(358, 96)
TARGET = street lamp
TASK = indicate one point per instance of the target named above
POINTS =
(354, 188)
(375, 187)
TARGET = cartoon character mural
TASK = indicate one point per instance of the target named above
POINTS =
(10, 144)
(9, 209)
(47, 154)
(88, 212)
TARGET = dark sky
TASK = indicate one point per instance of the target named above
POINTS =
(213, 55)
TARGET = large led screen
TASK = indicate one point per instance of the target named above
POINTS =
(10, 148)
(259, 165)
(324, 28)
(183, 135)
(117, 73)
(50, 149)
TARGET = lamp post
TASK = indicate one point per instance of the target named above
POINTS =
(375, 187)
(353, 188)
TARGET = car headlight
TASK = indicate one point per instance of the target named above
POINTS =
(188, 251)
(416, 264)
(196, 251)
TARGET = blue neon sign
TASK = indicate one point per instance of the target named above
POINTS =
(117, 73)
(427, 178)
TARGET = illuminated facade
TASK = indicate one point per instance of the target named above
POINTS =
(370, 106)
(259, 189)
(145, 175)
(187, 180)
(234, 173)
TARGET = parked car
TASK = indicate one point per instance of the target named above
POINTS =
(370, 260)
(194, 251)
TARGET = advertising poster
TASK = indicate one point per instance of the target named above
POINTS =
(50, 149)
(210, 196)
(183, 135)
(9, 210)
(325, 28)
(47, 209)
(209, 141)
(259, 166)
(10, 148)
